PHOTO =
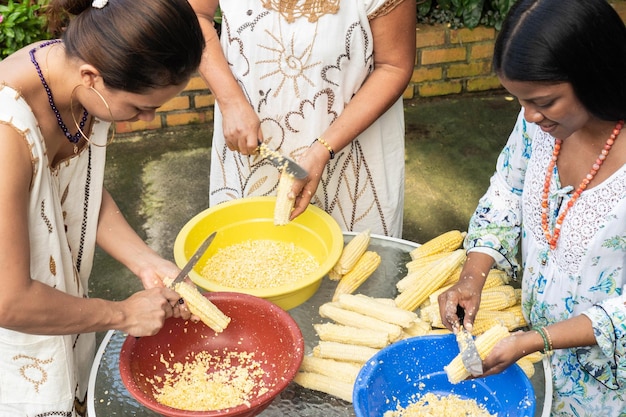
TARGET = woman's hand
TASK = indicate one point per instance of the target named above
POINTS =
(466, 292)
(314, 161)
(509, 350)
(144, 312)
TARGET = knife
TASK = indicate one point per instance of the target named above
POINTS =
(469, 354)
(193, 260)
(280, 161)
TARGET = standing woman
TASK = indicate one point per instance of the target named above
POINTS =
(321, 81)
(560, 187)
(117, 60)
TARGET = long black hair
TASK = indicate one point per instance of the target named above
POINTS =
(135, 45)
(582, 42)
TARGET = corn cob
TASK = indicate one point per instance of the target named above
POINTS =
(332, 332)
(495, 278)
(481, 325)
(344, 371)
(373, 308)
(362, 270)
(455, 370)
(326, 384)
(432, 279)
(534, 357)
(415, 265)
(284, 204)
(412, 279)
(527, 366)
(500, 274)
(516, 310)
(418, 328)
(343, 351)
(507, 319)
(439, 331)
(202, 307)
(497, 298)
(351, 253)
(446, 242)
(454, 276)
(430, 314)
(350, 318)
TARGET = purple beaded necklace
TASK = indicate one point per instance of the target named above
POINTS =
(75, 138)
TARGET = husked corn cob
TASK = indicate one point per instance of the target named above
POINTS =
(527, 366)
(484, 344)
(534, 357)
(430, 314)
(507, 319)
(362, 270)
(434, 296)
(344, 371)
(284, 204)
(343, 351)
(516, 310)
(481, 325)
(350, 318)
(416, 264)
(495, 278)
(504, 277)
(418, 328)
(454, 276)
(332, 332)
(352, 252)
(412, 278)
(439, 331)
(326, 384)
(374, 308)
(202, 307)
(497, 298)
(433, 278)
(445, 242)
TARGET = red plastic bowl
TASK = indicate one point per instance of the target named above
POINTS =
(257, 325)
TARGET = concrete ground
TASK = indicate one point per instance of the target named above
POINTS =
(160, 178)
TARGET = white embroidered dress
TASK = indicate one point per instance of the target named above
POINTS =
(43, 375)
(299, 76)
(585, 274)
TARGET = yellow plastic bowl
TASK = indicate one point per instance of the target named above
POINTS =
(252, 218)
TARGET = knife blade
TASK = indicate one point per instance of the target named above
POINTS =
(280, 161)
(469, 354)
(193, 260)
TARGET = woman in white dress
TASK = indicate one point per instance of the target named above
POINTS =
(560, 187)
(117, 60)
(322, 83)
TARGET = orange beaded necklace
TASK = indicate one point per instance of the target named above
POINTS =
(554, 237)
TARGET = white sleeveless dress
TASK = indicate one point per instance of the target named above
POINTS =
(298, 75)
(48, 375)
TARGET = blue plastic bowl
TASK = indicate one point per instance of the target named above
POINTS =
(402, 372)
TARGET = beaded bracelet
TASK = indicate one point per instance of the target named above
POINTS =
(327, 146)
(547, 341)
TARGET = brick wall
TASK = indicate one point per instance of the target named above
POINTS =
(448, 61)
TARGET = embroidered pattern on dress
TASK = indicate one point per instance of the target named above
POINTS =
(311, 9)
(585, 218)
(34, 371)
(288, 64)
(347, 188)
(384, 9)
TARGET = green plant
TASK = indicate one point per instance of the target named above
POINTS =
(21, 22)
(463, 13)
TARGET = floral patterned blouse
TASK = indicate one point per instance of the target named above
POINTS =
(583, 275)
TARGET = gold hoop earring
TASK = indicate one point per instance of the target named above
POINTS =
(110, 140)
